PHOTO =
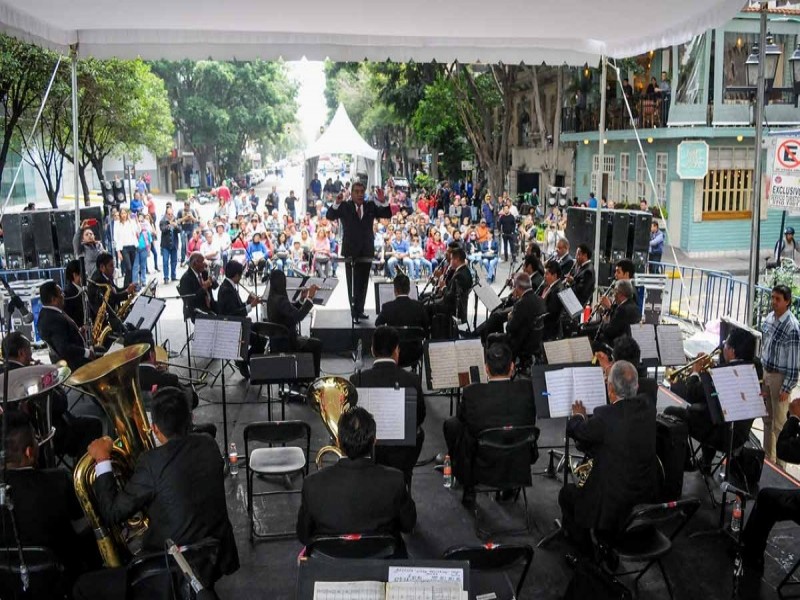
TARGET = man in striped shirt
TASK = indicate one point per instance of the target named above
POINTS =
(780, 353)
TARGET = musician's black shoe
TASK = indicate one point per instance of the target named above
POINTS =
(243, 369)
(363, 316)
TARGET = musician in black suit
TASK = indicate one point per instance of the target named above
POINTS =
(403, 311)
(357, 218)
(456, 292)
(386, 373)
(624, 313)
(355, 495)
(498, 403)
(581, 277)
(621, 440)
(282, 311)
(59, 331)
(104, 275)
(73, 293)
(626, 348)
(525, 328)
(179, 485)
(46, 509)
(774, 505)
(562, 256)
(196, 286)
(230, 303)
(553, 285)
(739, 348)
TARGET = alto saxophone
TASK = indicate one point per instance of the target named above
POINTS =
(98, 330)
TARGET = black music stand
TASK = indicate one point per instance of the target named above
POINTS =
(370, 398)
(224, 338)
(280, 369)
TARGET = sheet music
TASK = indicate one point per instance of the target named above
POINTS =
(147, 310)
(487, 295)
(559, 392)
(388, 407)
(349, 590)
(398, 574)
(570, 302)
(570, 350)
(436, 590)
(566, 386)
(217, 338)
(469, 353)
(442, 365)
(645, 336)
(739, 392)
(670, 345)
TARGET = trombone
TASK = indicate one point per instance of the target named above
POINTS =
(705, 360)
(162, 360)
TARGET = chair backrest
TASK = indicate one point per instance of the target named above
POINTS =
(332, 396)
(495, 557)
(412, 342)
(149, 576)
(44, 569)
(277, 334)
(658, 515)
(353, 545)
(510, 447)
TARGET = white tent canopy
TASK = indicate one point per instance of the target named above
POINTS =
(341, 137)
(510, 31)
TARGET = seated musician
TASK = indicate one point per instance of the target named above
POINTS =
(104, 275)
(73, 293)
(624, 313)
(179, 485)
(624, 269)
(355, 495)
(385, 372)
(498, 403)
(739, 348)
(73, 433)
(195, 285)
(562, 256)
(62, 335)
(525, 328)
(581, 277)
(46, 509)
(621, 440)
(626, 348)
(282, 311)
(456, 292)
(403, 311)
(230, 303)
(773, 505)
(553, 285)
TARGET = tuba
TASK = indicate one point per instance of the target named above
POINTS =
(114, 380)
(332, 396)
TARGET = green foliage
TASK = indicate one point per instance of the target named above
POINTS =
(425, 182)
(437, 124)
(183, 194)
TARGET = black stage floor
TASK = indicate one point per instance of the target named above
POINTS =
(698, 569)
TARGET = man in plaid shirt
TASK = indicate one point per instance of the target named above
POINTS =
(780, 353)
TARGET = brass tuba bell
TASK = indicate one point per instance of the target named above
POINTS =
(114, 380)
(332, 396)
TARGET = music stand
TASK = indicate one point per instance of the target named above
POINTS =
(145, 312)
(280, 369)
(395, 410)
(384, 292)
(223, 338)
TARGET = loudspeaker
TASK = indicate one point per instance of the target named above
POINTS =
(605, 274)
(580, 227)
(96, 213)
(18, 238)
(640, 231)
(64, 226)
(118, 189)
(619, 235)
(43, 232)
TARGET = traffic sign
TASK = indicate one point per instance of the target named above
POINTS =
(787, 156)
(784, 179)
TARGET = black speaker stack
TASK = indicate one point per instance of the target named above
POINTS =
(43, 239)
(623, 234)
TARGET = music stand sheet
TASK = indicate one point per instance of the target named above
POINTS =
(219, 338)
(145, 312)
(670, 345)
(487, 295)
(566, 386)
(387, 405)
(292, 285)
(645, 336)
(570, 302)
(738, 392)
(384, 292)
(455, 364)
(569, 350)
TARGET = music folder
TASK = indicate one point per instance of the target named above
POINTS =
(394, 411)
(145, 312)
(570, 302)
(220, 337)
(281, 368)
(556, 387)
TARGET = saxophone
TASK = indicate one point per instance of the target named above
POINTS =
(98, 329)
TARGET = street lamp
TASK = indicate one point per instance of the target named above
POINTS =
(794, 60)
(772, 52)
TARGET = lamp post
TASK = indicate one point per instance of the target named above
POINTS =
(794, 60)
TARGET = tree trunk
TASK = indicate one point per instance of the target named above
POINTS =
(557, 124)
(434, 164)
(84, 184)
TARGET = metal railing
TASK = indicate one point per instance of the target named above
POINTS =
(647, 113)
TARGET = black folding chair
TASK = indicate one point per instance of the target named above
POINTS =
(352, 545)
(45, 571)
(282, 461)
(490, 565)
(412, 343)
(789, 582)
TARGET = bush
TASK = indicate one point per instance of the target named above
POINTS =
(183, 194)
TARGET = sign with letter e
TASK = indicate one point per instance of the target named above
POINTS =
(784, 184)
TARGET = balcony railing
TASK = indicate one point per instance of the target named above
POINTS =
(647, 112)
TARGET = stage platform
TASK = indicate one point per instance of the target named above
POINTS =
(334, 329)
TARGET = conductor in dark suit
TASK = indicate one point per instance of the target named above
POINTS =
(230, 303)
(624, 313)
(386, 373)
(179, 485)
(456, 293)
(195, 286)
(524, 329)
(355, 495)
(403, 311)
(553, 285)
(357, 218)
(621, 440)
(60, 332)
(498, 403)
(581, 277)
(282, 311)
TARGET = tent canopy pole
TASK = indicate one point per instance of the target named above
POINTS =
(75, 175)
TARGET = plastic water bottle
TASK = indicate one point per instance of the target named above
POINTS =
(448, 472)
(233, 460)
(736, 516)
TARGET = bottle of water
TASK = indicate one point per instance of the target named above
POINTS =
(233, 460)
(448, 472)
(736, 516)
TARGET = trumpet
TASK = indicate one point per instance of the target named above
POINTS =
(706, 361)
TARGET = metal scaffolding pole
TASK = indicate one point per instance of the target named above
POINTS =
(598, 191)
(75, 179)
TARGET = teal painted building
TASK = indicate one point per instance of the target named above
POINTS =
(704, 101)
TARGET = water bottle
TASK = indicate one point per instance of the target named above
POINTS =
(233, 460)
(736, 516)
(448, 472)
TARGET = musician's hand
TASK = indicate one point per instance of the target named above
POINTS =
(605, 302)
(794, 408)
(311, 292)
(131, 288)
(207, 283)
(578, 408)
(569, 279)
(100, 449)
(603, 360)
(699, 365)
(253, 300)
(784, 396)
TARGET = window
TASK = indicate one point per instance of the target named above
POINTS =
(641, 178)
(661, 177)
(624, 166)
(691, 71)
(727, 194)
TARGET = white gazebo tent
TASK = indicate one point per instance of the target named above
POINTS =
(341, 137)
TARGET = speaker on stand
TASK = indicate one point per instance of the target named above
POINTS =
(45, 246)
(639, 239)
(64, 226)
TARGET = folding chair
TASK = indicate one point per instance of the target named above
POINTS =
(412, 341)
(788, 582)
(352, 545)
(489, 566)
(45, 571)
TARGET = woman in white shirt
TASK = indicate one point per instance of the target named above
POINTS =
(126, 241)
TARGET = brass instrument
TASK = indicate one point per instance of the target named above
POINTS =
(99, 332)
(682, 374)
(332, 396)
(607, 294)
(122, 311)
(162, 362)
(114, 381)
